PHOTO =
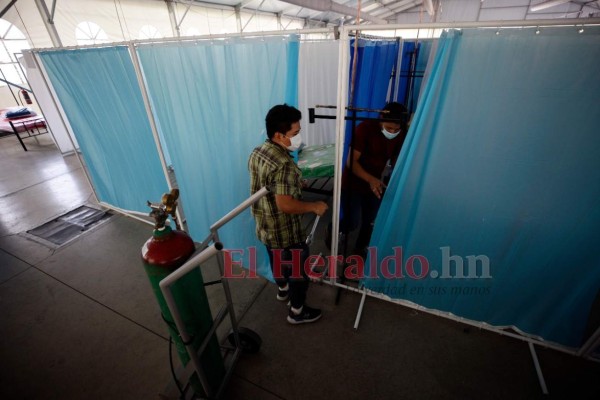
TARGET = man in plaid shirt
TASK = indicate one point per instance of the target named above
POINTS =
(278, 215)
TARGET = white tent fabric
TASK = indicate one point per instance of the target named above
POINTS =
(317, 84)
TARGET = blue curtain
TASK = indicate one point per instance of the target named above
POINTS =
(374, 66)
(408, 49)
(100, 95)
(500, 169)
(413, 64)
(211, 99)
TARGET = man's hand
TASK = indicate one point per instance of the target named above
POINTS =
(377, 187)
(320, 208)
(289, 205)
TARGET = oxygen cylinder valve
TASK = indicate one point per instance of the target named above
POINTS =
(167, 207)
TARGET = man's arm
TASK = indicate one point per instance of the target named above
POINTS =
(289, 205)
(376, 185)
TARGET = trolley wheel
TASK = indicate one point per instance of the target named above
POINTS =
(249, 340)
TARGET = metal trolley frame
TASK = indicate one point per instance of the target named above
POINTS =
(241, 336)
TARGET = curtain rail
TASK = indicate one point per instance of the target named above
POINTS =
(481, 24)
(191, 39)
(437, 25)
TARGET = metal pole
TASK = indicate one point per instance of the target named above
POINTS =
(479, 24)
(193, 38)
(5, 9)
(360, 310)
(225, 283)
(48, 23)
(193, 262)
(310, 236)
(14, 84)
(339, 148)
(173, 18)
(480, 325)
(130, 213)
(165, 287)
(590, 344)
(538, 369)
(239, 209)
(138, 73)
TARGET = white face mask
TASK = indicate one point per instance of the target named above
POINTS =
(296, 143)
(389, 135)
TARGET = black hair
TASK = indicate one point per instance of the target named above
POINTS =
(280, 119)
(396, 111)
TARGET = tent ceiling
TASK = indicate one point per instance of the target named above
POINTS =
(340, 12)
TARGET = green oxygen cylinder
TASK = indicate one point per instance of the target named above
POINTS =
(162, 254)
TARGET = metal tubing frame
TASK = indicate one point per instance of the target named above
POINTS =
(137, 215)
(205, 253)
(150, 115)
(477, 324)
(538, 369)
(479, 24)
(239, 209)
(165, 286)
(339, 148)
(592, 343)
(192, 39)
(232, 317)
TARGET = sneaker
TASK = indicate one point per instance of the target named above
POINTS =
(306, 315)
(282, 295)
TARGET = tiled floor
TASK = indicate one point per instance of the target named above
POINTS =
(81, 321)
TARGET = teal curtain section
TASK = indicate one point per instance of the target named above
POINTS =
(211, 99)
(100, 95)
(500, 175)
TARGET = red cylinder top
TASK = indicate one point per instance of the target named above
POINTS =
(168, 248)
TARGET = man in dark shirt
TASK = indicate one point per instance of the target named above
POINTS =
(374, 144)
(278, 215)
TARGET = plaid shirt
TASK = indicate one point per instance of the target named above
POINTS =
(272, 166)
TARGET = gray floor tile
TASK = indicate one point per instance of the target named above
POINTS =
(10, 266)
(57, 344)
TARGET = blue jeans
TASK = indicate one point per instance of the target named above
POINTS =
(287, 265)
(359, 208)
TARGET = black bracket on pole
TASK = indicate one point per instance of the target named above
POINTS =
(312, 116)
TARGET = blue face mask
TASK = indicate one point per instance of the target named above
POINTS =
(389, 135)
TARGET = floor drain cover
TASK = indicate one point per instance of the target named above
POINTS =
(70, 225)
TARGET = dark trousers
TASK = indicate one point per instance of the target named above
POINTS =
(359, 208)
(287, 266)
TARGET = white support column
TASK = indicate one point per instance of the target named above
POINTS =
(173, 18)
(48, 22)
(339, 148)
(238, 17)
